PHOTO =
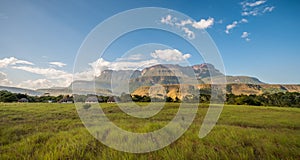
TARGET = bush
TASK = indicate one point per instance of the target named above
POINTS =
(87, 106)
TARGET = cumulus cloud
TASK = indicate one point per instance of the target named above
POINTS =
(245, 35)
(168, 55)
(57, 64)
(231, 26)
(203, 24)
(36, 84)
(99, 65)
(62, 78)
(3, 80)
(12, 61)
(130, 63)
(59, 78)
(185, 24)
(190, 34)
(53, 77)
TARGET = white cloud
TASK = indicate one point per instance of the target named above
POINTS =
(85, 75)
(231, 26)
(58, 64)
(12, 61)
(168, 55)
(184, 22)
(250, 13)
(52, 77)
(190, 34)
(234, 24)
(255, 8)
(62, 78)
(36, 84)
(245, 35)
(167, 20)
(243, 20)
(203, 24)
(253, 4)
(99, 65)
(268, 9)
(3, 80)
(47, 72)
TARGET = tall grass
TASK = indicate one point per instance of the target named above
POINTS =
(54, 131)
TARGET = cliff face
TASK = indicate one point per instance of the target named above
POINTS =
(180, 91)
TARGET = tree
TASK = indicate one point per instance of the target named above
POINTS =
(6, 96)
(169, 99)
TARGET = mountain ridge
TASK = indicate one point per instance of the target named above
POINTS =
(112, 82)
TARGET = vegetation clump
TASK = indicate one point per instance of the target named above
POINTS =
(86, 106)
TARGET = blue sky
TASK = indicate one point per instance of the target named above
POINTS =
(38, 37)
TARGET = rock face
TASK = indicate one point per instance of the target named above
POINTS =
(181, 91)
(173, 91)
(205, 70)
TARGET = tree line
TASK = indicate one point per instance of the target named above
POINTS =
(287, 99)
(6, 96)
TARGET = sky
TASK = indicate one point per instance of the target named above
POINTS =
(39, 40)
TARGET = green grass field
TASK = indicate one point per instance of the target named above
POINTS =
(54, 131)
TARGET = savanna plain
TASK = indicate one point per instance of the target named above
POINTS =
(55, 131)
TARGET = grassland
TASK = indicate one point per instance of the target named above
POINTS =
(54, 131)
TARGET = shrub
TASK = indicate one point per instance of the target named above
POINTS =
(87, 106)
